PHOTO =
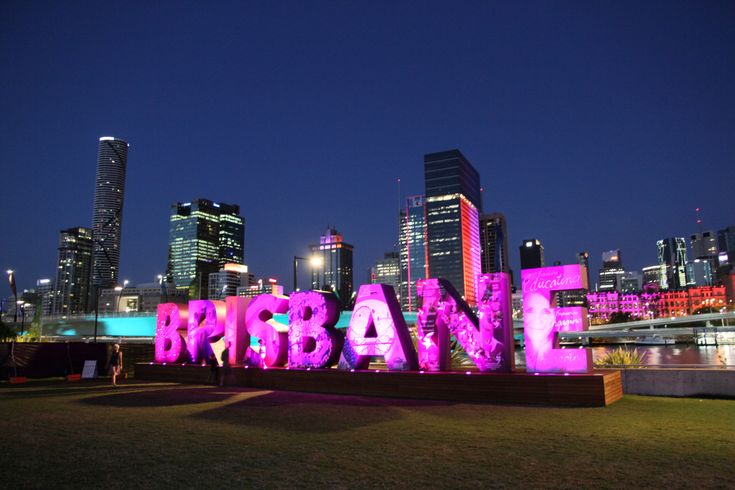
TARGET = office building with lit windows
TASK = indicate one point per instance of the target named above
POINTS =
(225, 282)
(672, 254)
(532, 254)
(413, 249)
(46, 291)
(74, 272)
(331, 267)
(453, 207)
(612, 271)
(109, 193)
(654, 275)
(493, 243)
(387, 271)
(203, 236)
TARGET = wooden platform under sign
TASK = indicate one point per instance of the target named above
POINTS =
(596, 389)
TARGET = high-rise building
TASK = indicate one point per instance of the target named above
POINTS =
(74, 272)
(726, 257)
(332, 266)
(704, 248)
(654, 274)
(203, 236)
(46, 291)
(532, 254)
(699, 273)
(387, 271)
(631, 282)
(704, 245)
(453, 206)
(672, 253)
(413, 249)
(225, 282)
(612, 271)
(109, 193)
(583, 258)
(493, 243)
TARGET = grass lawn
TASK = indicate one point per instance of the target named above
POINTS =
(159, 435)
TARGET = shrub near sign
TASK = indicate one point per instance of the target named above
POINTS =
(377, 327)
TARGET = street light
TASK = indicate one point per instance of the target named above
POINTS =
(315, 262)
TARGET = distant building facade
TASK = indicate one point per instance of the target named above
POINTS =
(672, 254)
(453, 207)
(334, 270)
(532, 254)
(654, 274)
(203, 236)
(109, 194)
(652, 303)
(74, 272)
(225, 282)
(387, 271)
(612, 271)
(141, 298)
(46, 291)
(413, 249)
(494, 243)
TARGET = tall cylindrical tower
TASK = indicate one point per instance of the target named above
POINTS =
(109, 192)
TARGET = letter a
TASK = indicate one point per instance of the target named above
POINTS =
(377, 328)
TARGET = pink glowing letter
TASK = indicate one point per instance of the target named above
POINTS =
(171, 321)
(377, 328)
(206, 325)
(496, 322)
(432, 329)
(487, 340)
(236, 335)
(272, 336)
(312, 339)
(542, 321)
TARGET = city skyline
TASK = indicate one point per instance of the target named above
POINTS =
(545, 152)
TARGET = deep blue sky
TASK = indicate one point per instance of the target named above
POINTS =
(594, 125)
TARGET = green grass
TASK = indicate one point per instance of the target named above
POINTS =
(146, 435)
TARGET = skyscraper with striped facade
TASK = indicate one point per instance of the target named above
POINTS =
(453, 207)
(109, 193)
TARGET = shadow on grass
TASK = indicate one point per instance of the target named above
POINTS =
(310, 412)
(166, 397)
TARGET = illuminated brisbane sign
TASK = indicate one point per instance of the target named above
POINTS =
(185, 333)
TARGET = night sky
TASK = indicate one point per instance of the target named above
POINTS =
(593, 125)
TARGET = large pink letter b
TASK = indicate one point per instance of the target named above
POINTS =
(171, 322)
(313, 342)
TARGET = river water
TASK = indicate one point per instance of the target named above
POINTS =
(678, 355)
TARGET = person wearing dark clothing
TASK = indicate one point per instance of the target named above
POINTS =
(115, 363)
(213, 368)
(225, 364)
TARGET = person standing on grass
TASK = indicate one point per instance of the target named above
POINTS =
(213, 369)
(225, 364)
(116, 363)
